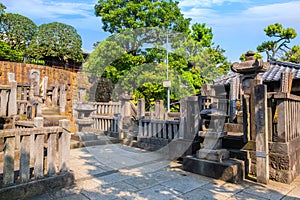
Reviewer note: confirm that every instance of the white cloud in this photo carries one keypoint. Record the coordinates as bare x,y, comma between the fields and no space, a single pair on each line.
288,10
284,12
205,3
78,14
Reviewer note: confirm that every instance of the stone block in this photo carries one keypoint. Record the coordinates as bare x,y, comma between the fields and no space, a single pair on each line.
229,170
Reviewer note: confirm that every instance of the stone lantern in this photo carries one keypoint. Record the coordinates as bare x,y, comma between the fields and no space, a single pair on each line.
84,120
213,119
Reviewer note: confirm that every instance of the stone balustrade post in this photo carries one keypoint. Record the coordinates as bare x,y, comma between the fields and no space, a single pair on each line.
64,145
141,108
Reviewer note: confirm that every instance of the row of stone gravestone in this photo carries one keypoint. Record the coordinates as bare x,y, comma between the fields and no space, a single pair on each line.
18,98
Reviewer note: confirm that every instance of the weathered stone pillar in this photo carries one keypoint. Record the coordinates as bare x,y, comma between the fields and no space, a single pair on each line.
9,157
192,121
125,109
44,87
159,109
141,108
12,106
253,83
55,94
38,149
262,148
62,99
64,145
183,116
3,105
38,123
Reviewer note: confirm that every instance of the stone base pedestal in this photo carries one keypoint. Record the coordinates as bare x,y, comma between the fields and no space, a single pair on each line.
217,155
228,170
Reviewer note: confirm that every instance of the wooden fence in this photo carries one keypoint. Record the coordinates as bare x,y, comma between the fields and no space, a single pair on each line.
285,116
54,137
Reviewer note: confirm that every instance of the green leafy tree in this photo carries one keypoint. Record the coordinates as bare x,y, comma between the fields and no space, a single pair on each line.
7,54
2,8
292,55
122,56
56,41
16,30
118,16
281,39
202,34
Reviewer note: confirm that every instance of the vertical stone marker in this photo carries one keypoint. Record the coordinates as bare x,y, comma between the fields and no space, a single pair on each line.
262,148
12,104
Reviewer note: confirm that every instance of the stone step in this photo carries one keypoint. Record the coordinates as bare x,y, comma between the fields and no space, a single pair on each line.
104,140
53,117
50,111
86,136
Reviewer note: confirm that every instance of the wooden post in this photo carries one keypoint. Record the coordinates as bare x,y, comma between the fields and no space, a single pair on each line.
262,148
64,145
282,120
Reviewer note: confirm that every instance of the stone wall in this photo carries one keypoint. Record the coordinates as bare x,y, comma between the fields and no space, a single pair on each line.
284,160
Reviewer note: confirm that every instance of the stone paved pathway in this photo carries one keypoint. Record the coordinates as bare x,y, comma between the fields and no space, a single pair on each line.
119,172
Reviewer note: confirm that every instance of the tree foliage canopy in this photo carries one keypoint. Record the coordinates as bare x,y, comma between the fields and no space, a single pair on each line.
8,54
16,30
56,40
281,38
292,55
134,57
2,8
118,16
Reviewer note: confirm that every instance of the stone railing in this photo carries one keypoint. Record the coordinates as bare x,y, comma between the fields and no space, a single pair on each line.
106,124
167,129
109,108
31,153
285,109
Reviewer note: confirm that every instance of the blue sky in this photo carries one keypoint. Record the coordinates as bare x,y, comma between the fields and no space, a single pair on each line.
237,24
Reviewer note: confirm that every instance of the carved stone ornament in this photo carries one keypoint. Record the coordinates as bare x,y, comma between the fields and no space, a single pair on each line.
251,65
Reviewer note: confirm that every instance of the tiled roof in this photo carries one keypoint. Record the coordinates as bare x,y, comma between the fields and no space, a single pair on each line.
274,74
